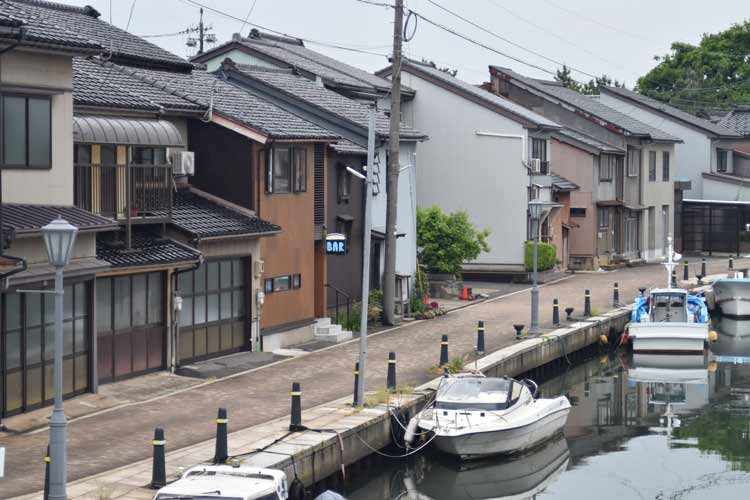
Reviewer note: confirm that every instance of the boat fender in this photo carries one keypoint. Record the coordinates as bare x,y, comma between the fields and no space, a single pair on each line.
713,336
411,430
604,339
297,490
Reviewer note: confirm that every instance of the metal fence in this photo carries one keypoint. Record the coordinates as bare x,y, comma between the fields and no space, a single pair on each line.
710,226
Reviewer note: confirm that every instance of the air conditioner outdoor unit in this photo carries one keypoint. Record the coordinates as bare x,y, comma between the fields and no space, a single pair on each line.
183,163
260,268
536,165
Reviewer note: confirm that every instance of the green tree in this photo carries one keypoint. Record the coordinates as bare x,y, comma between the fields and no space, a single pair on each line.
448,240
715,74
591,88
563,76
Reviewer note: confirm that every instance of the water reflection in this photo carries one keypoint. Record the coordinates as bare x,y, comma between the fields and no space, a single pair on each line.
648,426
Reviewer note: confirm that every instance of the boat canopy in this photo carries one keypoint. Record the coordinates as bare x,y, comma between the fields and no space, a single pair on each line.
670,301
477,393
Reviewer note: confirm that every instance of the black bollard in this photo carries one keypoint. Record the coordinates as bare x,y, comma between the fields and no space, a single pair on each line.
159,467
731,262
519,331
221,454
587,303
295,424
47,461
703,267
480,337
356,383
444,350
391,380
569,313
674,278
616,295
685,271
555,312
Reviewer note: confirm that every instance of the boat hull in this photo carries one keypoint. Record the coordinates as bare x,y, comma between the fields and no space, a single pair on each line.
732,296
668,337
503,441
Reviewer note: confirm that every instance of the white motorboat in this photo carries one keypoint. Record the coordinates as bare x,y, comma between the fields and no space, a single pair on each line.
732,296
475,416
227,482
669,319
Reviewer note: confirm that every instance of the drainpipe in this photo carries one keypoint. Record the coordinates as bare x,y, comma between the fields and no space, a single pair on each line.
174,326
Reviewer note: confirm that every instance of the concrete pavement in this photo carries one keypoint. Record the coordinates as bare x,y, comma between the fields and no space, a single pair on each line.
113,438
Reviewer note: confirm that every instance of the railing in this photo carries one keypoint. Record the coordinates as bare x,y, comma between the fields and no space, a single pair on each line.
543,167
346,300
125,192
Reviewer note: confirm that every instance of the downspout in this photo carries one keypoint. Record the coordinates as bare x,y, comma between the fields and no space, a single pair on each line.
174,327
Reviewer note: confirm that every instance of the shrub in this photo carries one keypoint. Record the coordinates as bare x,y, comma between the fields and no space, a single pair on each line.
546,258
448,240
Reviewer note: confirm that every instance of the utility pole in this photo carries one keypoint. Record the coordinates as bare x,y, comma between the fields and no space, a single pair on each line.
204,35
392,170
200,33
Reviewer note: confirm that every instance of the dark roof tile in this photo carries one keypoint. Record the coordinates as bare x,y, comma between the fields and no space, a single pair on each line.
737,120
29,219
146,250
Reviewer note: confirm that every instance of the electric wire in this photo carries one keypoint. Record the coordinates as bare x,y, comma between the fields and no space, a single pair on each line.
130,16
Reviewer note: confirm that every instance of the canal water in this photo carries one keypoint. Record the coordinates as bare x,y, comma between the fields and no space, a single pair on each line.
641,427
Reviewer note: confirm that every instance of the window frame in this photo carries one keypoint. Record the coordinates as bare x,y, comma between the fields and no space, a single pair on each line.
217,289
343,184
26,165
607,165
633,170
722,167
603,218
652,166
665,166
579,212
298,177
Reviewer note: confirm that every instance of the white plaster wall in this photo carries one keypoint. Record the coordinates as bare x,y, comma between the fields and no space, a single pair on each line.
657,194
240,58
692,157
48,186
725,191
460,170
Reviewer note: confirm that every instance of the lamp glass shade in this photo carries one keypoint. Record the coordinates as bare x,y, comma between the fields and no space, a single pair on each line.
535,209
59,238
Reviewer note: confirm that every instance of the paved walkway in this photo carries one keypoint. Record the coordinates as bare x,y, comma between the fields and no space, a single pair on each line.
112,438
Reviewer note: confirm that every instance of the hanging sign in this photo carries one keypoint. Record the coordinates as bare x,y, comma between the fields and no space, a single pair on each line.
336,244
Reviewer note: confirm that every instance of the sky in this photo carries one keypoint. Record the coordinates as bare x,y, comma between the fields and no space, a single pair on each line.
616,37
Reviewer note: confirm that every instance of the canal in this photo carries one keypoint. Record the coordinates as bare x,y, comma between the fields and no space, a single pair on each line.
642,427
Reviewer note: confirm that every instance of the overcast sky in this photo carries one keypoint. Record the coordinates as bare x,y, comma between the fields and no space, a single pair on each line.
615,37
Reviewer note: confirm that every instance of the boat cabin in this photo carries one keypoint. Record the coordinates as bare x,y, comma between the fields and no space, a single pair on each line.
478,393
669,306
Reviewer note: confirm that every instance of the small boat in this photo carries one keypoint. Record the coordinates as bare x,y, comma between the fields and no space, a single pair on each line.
669,320
474,416
732,296
227,482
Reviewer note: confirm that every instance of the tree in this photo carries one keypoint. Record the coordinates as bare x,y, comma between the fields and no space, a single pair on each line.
563,76
591,88
448,240
445,69
714,74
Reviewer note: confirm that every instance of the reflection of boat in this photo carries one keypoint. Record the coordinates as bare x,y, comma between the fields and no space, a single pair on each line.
474,416
523,477
733,327
689,369
732,295
669,319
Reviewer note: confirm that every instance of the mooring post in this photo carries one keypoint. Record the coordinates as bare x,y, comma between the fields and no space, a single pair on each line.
480,337
731,262
555,312
295,423
587,303
47,461
616,295
643,291
159,467
444,350
569,313
703,267
519,331
356,383
685,271
391,379
221,454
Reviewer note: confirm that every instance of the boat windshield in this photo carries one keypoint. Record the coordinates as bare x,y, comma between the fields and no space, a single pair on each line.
668,306
474,393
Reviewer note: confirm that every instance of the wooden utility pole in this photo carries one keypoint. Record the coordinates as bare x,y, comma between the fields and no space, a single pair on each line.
392,170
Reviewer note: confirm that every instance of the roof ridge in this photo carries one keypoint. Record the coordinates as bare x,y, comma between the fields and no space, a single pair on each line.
86,9
46,21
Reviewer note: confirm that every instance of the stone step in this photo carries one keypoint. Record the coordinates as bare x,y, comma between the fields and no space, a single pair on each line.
332,333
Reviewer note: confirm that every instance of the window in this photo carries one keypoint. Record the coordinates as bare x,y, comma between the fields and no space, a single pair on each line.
26,132
652,166
82,154
281,283
721,160
213,292
539,149
607,164
665,166
603,218
578,212
148,156
287,171
533,192
343,185
296,281
634,162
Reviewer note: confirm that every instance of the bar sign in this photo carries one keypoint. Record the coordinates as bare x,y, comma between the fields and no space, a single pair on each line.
335,244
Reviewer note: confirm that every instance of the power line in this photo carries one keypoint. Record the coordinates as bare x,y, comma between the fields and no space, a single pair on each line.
130,16
489,32
249,13
163,35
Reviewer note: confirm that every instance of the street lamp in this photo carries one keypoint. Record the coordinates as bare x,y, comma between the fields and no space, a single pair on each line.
59,238
536,208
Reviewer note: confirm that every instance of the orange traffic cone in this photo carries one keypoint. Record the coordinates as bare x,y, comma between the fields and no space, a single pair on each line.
427,300
465,294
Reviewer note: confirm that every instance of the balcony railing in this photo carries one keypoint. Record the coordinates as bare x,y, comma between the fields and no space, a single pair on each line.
541,169
135,193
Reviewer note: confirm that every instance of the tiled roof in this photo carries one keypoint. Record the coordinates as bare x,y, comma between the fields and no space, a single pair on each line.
307,90
562,184
41,28
85,23
502,104
554,91
603,147
737,120
347,147
197,87
205,218
93,88
670,111
29,219
146,250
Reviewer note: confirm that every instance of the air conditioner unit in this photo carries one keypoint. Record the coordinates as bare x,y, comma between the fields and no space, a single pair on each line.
536,165
260,268
183,163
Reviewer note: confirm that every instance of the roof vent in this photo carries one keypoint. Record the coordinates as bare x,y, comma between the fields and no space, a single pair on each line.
90,11
236,37
319,81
